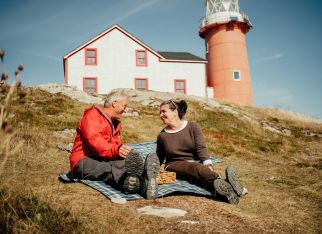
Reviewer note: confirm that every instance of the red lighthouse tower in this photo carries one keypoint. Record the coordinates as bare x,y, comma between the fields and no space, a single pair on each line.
224,28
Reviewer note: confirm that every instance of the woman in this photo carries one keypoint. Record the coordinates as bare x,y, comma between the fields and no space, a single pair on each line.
181,144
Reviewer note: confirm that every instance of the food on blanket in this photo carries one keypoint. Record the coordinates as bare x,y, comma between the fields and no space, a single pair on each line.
166,177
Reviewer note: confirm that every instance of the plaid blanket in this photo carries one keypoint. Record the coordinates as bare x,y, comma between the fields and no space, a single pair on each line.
165,189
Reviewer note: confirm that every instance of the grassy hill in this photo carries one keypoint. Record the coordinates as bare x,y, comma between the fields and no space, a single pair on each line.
278,155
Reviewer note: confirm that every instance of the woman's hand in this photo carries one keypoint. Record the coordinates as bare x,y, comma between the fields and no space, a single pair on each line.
210,167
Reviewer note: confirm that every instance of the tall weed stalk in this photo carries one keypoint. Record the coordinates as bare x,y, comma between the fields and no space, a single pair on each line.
21,211
7,95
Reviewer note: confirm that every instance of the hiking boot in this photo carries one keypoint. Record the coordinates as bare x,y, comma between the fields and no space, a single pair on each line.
134,166
233,180
225,189
151,170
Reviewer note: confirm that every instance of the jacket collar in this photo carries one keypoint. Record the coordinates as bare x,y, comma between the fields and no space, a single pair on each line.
101,110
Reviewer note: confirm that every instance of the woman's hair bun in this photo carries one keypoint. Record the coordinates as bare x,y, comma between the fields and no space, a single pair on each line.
182,108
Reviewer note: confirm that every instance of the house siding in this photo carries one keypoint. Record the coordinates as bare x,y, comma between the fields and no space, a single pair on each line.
116,67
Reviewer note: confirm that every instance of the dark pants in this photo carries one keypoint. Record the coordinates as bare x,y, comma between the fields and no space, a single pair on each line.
111,172
194,172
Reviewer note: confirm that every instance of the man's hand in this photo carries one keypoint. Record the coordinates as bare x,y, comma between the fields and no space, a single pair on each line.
124,151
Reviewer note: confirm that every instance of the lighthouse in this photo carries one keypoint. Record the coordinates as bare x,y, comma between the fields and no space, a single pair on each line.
224,29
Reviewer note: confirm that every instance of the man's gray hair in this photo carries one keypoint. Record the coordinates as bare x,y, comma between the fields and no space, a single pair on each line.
115,96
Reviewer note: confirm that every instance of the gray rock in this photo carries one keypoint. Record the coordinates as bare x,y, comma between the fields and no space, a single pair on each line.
282,130
118,200
286,132
131,114
189,222
146,102
66,133
72,92
164,212
155,104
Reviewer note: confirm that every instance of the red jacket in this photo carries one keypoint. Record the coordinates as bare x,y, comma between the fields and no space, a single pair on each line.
96,137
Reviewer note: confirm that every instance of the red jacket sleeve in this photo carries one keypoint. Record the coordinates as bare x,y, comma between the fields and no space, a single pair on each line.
98,134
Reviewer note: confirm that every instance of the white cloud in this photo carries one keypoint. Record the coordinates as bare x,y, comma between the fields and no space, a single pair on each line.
275,56
270,58
124,16
39,54
134,11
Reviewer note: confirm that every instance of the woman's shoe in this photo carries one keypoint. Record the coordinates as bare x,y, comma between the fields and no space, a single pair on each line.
233,180
225,189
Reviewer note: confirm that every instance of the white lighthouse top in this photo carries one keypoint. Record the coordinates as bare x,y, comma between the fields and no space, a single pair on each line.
223,11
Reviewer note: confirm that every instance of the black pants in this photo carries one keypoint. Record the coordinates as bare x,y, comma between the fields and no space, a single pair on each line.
193,172
111,172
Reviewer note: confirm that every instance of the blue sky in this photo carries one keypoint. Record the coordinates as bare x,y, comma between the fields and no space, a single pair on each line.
284,47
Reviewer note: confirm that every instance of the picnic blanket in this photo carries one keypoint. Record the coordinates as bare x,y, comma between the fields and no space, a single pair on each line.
181,186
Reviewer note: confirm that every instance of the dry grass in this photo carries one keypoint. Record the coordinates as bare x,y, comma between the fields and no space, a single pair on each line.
294,121
293,116
283,175
20,209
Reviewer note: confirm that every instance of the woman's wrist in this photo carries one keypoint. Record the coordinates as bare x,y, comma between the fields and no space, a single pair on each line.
207,162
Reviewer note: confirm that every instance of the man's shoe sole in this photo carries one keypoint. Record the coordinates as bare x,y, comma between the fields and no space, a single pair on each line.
134,166
225,189
152,166
131,184
233,179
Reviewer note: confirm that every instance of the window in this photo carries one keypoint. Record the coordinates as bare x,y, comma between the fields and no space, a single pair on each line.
141,84
90,56
141,58
236,75
180,86
90,85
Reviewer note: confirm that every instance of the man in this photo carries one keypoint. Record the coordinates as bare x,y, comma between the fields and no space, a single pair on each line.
98,152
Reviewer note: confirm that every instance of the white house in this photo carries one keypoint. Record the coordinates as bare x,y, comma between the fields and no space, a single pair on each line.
117,59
